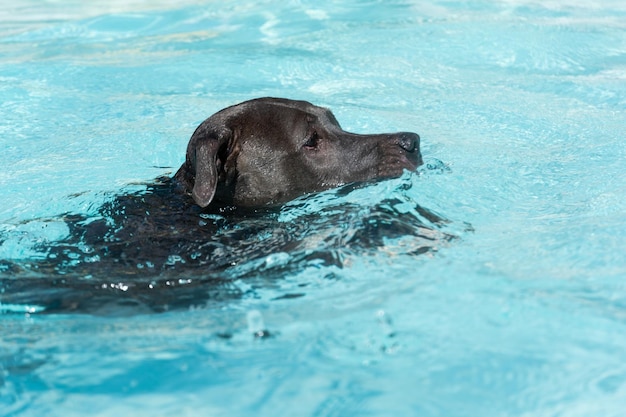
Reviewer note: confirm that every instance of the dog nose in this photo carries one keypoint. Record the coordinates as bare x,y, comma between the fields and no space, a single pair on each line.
409,141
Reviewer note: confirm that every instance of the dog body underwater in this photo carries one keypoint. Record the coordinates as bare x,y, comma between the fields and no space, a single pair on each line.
184,240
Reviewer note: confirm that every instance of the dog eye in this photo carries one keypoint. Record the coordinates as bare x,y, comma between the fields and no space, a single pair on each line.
312,141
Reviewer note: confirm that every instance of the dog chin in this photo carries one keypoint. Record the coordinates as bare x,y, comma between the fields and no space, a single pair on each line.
414,160
396,165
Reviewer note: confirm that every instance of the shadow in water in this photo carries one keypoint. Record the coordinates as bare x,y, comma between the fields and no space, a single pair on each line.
154,250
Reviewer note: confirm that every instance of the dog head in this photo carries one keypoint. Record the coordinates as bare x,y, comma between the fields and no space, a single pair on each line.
269,151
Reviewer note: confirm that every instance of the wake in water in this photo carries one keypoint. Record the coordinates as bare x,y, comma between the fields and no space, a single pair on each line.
155,250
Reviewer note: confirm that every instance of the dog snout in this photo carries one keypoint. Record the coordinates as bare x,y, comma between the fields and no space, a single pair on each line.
409,141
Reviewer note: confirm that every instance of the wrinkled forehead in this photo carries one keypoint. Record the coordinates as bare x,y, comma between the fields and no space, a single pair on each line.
325,116
302,110
320,114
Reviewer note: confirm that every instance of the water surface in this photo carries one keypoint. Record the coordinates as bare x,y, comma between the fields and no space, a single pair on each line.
521,109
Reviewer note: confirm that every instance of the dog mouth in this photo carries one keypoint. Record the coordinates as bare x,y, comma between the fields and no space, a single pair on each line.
396,160
413,159
398,167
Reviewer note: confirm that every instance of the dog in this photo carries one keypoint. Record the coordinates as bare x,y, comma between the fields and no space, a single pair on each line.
268,151
184,240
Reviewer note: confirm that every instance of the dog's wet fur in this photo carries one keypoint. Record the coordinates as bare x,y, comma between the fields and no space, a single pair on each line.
184,241
269,151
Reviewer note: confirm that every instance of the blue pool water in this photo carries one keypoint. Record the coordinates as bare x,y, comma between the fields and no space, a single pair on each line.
521,106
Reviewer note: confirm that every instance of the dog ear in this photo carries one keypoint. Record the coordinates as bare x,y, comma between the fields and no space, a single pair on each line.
205,148
205,164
